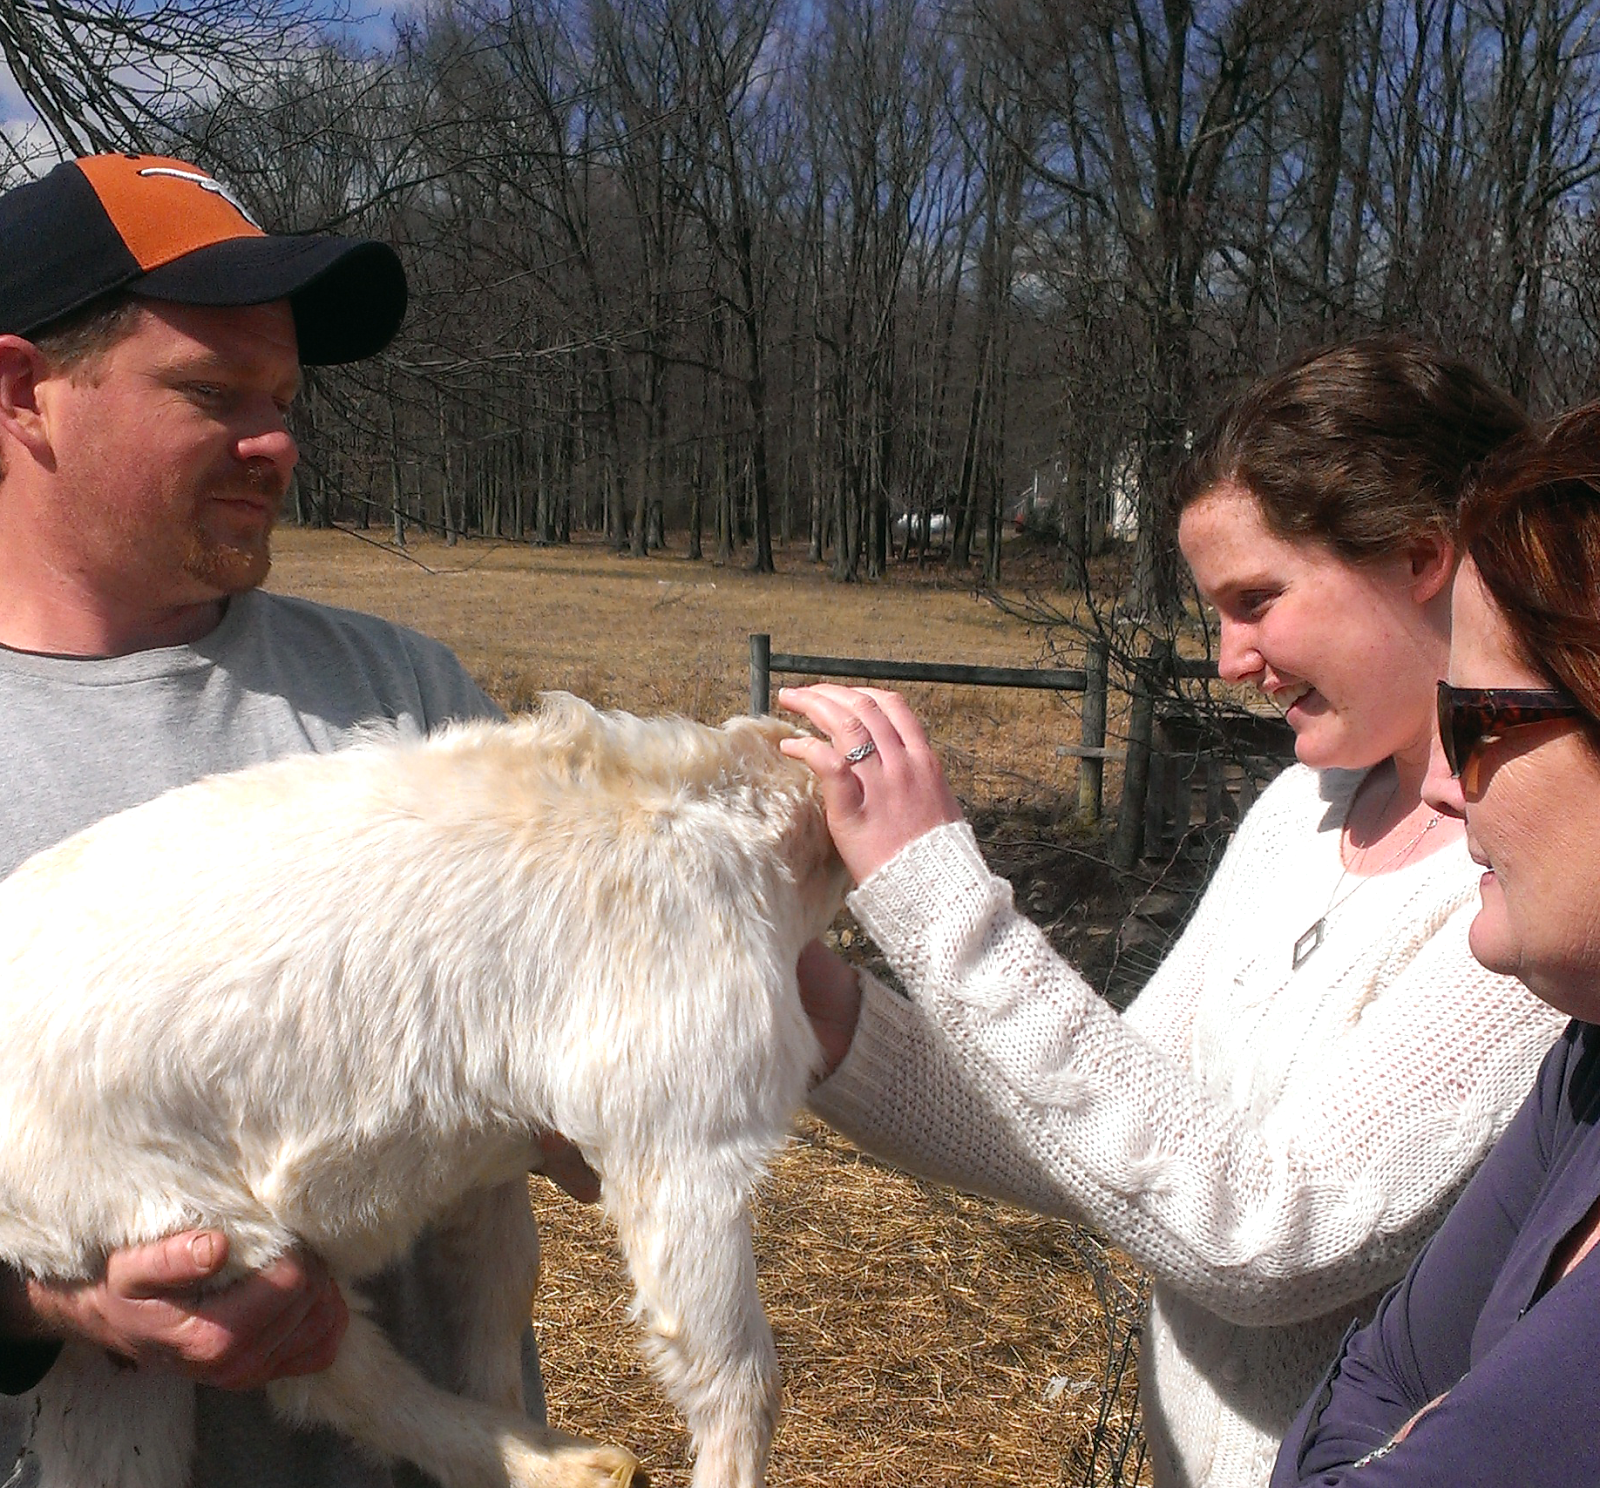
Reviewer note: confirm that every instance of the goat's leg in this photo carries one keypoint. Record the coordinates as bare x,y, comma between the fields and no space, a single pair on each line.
685,1229
97,1422
482,1261
375,1396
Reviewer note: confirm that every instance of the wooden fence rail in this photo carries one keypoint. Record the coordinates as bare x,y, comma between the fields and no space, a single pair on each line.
1155,809
1090,680
764,661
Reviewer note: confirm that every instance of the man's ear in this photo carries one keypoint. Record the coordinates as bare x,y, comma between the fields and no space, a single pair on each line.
22,368
1433,564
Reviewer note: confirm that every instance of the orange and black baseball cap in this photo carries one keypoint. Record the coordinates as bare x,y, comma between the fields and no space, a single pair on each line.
167,230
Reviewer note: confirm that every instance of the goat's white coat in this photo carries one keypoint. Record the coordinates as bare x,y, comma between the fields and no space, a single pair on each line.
331,1000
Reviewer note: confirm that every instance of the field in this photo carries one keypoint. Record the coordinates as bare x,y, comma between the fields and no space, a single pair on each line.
667,635
926,1337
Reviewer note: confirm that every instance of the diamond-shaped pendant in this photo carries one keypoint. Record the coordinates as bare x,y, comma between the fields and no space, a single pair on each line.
1307,944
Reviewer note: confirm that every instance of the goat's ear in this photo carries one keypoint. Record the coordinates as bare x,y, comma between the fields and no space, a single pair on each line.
770,728
565,708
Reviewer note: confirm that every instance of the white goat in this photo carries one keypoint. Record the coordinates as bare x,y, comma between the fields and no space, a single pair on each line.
332,1000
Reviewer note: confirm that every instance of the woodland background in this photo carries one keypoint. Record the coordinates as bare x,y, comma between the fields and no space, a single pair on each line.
743,271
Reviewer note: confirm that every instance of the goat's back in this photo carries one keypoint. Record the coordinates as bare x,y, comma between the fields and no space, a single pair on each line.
324,996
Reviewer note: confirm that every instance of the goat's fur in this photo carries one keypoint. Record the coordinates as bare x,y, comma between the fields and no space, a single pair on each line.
330,1001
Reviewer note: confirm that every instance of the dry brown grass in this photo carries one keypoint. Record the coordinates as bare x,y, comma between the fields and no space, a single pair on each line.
667,635
925,1337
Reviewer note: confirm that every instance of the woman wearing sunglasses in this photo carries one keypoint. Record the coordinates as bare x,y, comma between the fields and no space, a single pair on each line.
1283,1115
1480,1366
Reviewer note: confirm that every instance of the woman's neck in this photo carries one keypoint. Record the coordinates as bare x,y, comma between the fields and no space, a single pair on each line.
1410,768
1389,824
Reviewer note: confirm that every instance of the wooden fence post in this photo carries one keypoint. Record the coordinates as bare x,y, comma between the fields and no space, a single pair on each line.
1092,767
760,674
1128,844
1159,791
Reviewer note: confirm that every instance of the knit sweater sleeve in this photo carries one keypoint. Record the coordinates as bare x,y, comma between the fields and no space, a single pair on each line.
904,1092
1008,1075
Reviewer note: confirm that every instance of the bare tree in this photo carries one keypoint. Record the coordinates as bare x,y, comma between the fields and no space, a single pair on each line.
118,74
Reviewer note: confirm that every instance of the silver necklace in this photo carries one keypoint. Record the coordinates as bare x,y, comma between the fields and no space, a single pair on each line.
1311,936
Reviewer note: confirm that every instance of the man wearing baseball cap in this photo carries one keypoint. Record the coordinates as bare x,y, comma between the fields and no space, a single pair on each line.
151,337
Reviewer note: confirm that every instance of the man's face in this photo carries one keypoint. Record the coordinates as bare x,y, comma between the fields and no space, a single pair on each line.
172,452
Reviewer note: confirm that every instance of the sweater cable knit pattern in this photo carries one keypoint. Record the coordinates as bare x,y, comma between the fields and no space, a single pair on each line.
1274,1145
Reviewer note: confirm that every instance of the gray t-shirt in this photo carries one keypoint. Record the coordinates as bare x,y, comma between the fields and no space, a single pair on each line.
81,739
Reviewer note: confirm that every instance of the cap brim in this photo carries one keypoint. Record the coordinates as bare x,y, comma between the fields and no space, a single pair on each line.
348,295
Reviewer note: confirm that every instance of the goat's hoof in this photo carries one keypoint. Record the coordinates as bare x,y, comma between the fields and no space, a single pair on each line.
576,1464
619,1468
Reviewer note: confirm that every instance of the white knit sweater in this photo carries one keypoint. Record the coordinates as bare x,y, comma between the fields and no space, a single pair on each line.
1274,1145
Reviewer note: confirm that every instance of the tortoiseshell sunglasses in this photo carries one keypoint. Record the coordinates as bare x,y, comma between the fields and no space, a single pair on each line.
1472,717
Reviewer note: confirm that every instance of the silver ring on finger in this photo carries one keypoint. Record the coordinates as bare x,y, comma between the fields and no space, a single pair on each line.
860,752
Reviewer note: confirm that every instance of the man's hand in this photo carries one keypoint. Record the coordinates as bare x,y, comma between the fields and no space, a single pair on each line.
287,1319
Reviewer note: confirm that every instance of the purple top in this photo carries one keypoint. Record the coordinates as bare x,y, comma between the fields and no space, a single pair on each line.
1475,1317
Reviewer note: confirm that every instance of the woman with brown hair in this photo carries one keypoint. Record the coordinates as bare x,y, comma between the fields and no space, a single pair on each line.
1480,1366
1283,1115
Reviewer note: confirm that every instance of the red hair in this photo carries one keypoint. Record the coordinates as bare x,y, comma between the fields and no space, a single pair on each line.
1530,522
